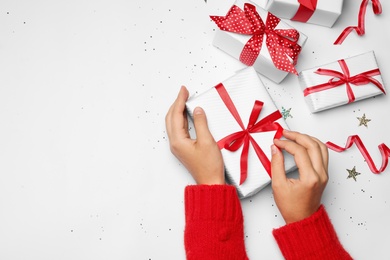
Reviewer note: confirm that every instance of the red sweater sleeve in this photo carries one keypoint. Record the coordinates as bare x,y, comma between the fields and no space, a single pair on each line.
214,223
311,238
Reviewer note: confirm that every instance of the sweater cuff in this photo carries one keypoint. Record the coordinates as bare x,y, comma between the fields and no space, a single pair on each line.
310,238
214,223
201,202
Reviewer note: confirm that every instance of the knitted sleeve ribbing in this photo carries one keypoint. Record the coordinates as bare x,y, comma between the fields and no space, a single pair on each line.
311,238
214,223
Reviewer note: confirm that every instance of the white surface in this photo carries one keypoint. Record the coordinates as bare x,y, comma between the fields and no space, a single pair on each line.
85,167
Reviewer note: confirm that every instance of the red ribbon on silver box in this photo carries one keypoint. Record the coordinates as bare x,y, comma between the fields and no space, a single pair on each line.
243,138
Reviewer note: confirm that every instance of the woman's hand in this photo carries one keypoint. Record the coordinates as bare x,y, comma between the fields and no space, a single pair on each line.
201,156
299,198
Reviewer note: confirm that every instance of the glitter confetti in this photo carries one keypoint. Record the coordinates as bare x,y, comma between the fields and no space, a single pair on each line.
286,113
353,173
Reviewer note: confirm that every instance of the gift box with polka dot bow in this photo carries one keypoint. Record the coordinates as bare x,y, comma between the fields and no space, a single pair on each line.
341,82
258,38
229,108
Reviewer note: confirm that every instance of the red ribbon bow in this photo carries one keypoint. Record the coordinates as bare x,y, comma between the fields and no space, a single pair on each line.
385,152
235,140
305,11
360,79
281,43
360,29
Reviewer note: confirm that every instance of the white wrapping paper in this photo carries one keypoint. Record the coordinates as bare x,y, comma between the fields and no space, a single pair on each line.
326,13
338,96
244,88
233,43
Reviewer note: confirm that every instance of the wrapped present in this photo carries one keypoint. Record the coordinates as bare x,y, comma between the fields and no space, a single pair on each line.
320,12
341,82
244,121
258,38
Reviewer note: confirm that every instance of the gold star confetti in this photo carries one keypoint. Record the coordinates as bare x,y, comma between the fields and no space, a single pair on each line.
286,113
363,120
353,173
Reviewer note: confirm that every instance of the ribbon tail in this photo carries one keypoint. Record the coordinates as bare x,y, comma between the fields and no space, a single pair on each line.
263,158
355,139
376,6
244,162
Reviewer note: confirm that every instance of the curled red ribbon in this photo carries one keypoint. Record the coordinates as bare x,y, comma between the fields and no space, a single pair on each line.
340,79
305,11
360,29
355,139
281,43
243,138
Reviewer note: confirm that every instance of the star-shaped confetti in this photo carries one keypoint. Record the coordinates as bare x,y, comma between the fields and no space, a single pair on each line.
363,120
353,173
286,113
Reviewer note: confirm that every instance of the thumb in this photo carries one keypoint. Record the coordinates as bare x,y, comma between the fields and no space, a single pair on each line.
200,124
277,165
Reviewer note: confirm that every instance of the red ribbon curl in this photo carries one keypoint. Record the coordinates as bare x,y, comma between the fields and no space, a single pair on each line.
360,79
360,29
305,11
243,138
281,43
355,139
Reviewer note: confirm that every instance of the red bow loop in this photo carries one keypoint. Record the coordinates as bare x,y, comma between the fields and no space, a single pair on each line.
243,138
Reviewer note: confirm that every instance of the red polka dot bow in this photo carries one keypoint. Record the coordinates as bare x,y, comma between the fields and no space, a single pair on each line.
281,43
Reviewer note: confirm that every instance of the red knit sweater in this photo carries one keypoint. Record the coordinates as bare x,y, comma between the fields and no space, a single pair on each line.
215,230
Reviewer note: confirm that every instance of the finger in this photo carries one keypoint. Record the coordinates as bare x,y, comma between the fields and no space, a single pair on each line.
176,118
301,156
201,126
312,147
324,152
277,166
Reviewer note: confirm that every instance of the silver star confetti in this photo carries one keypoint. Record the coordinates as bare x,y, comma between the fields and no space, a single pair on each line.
353,173
363,120
286,113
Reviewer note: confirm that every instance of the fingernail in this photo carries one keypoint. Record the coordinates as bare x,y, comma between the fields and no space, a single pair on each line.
198,111
274,149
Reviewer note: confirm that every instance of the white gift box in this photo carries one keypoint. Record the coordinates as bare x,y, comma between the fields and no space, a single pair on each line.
326,12
233,44
244,88
337,96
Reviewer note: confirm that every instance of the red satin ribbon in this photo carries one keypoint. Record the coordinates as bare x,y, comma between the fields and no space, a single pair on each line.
281,43
243,138
360,79
360,29
305,11
355,139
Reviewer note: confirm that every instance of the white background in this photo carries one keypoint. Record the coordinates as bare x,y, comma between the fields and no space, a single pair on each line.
85,166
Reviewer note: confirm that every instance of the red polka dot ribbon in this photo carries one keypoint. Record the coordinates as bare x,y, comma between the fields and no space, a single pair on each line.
243,138
355,139
305,11
360,29
281,43
339,79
